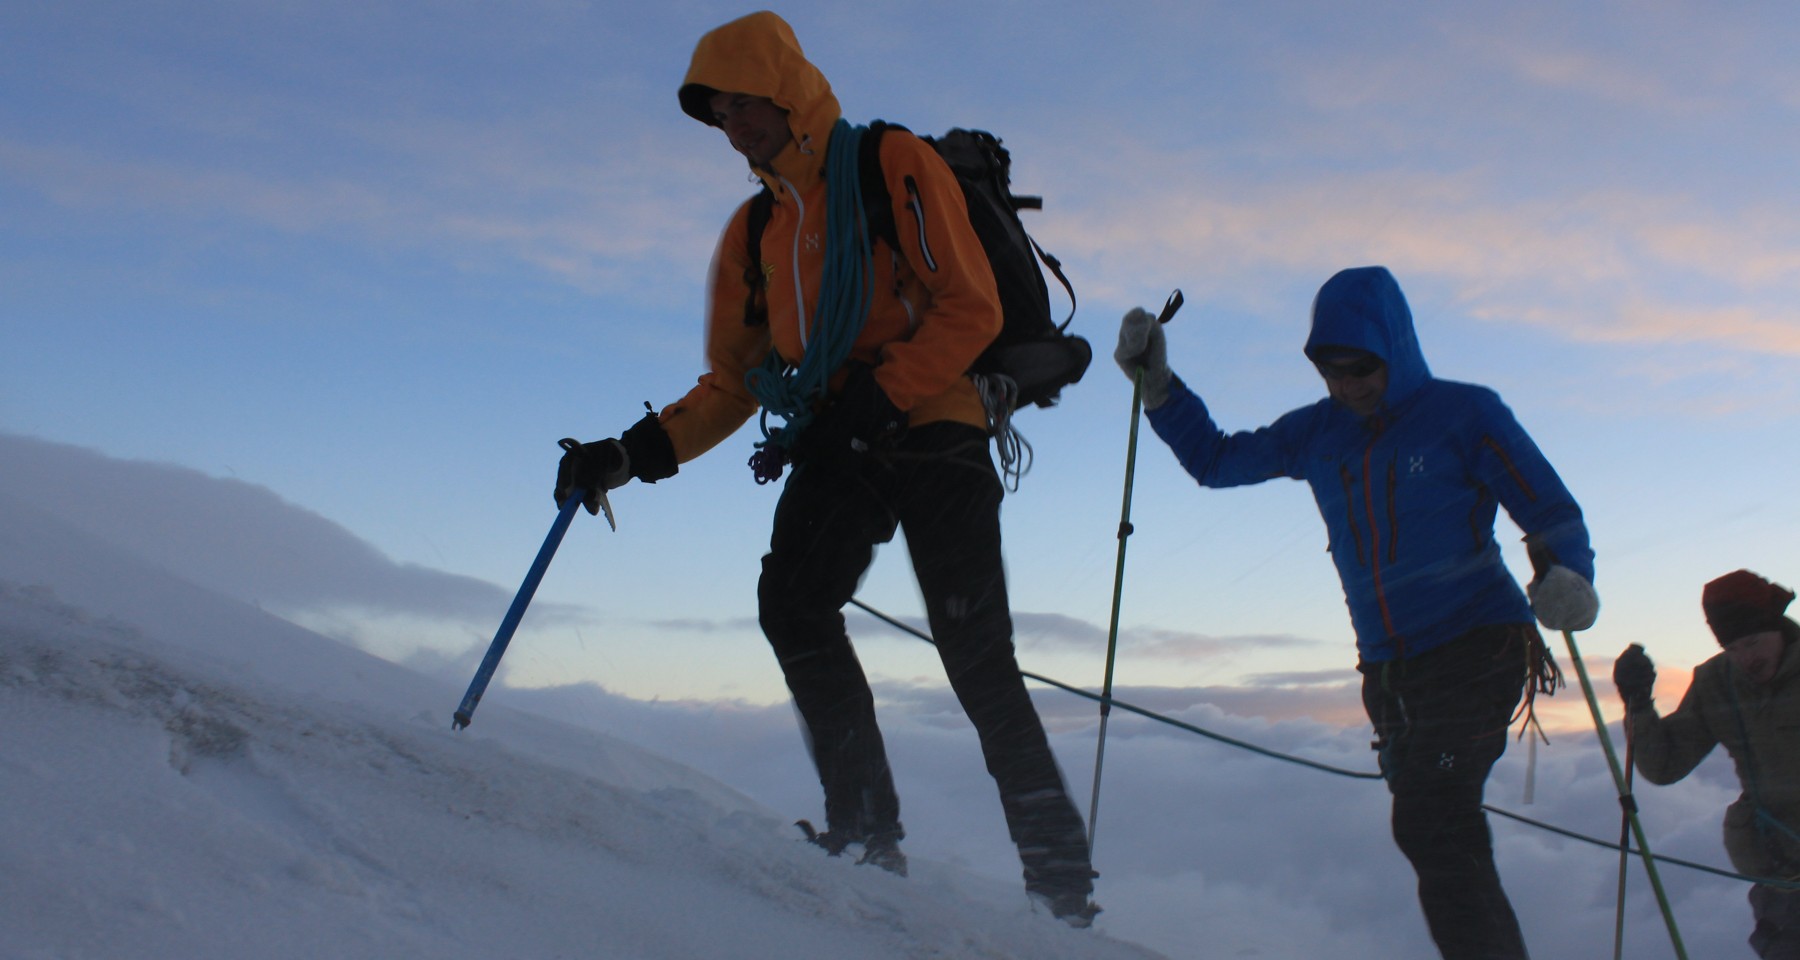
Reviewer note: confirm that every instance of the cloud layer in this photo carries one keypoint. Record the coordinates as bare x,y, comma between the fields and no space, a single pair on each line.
238,538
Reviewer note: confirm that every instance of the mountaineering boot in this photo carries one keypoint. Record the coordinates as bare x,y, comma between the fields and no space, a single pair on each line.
834,841
1073,908
884,852
1066,893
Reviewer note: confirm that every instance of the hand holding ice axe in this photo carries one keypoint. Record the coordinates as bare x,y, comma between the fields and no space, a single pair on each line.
571,495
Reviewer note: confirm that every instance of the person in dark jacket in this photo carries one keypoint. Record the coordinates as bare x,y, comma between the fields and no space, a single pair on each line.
886,431
1746,698
1408,472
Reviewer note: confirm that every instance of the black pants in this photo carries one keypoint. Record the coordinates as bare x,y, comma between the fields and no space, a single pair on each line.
1440,723
940,487
1777,912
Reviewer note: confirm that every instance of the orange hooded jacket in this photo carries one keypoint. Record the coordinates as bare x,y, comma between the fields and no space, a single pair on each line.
925,327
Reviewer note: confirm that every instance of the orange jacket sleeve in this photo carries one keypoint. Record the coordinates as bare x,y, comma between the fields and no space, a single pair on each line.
720,403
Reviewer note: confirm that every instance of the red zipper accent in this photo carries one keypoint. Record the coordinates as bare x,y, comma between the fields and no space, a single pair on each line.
1393,486
1506,462
1387,616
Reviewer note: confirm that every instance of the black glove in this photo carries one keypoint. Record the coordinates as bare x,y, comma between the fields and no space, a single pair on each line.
592,468
644,452
861,419
1635,676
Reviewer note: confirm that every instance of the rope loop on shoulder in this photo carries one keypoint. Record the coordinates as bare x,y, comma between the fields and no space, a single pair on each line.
793,391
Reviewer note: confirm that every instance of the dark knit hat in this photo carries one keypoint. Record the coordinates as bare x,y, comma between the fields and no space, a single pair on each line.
1741,603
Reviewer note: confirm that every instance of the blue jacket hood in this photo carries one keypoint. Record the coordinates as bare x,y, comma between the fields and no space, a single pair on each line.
1363,308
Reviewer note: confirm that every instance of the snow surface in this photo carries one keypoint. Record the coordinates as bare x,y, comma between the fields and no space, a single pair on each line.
203,780
185,774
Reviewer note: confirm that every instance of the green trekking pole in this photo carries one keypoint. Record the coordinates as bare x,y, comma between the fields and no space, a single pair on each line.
1624,859
1112,632
1626,802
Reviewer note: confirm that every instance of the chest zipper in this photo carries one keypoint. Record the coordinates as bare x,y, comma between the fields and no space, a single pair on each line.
1368,486
1393,485
1349,483
916,204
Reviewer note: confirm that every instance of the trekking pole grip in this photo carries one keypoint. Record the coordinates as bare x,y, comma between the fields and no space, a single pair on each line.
1170,306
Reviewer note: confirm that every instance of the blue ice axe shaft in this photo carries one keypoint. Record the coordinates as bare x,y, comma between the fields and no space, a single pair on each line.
497,649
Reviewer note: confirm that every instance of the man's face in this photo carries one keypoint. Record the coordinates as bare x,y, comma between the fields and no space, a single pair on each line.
757,128
1358,382
1757,655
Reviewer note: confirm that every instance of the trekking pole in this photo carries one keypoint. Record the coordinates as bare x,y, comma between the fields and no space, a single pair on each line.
1112,633
1626,802
1624,857
466,711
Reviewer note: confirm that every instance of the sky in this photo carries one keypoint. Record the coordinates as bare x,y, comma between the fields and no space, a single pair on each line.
379,257
185,774
346,272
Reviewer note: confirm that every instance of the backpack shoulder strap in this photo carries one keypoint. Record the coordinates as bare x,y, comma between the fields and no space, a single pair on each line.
878,203
1055,266
760,207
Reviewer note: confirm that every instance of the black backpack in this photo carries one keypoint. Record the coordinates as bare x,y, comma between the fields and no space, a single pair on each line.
1038,354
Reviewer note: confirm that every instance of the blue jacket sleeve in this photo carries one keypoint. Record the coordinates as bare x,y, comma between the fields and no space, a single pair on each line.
1215,458
1510,464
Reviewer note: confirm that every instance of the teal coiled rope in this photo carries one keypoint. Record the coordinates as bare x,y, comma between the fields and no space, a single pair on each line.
845,292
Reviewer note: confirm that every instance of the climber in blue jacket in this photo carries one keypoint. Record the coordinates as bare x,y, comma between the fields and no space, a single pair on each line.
1408,472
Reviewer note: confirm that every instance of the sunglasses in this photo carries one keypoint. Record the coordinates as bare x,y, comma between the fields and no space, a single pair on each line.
1356,369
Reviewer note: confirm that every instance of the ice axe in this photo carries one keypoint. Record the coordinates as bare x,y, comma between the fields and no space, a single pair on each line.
1112,634
516,612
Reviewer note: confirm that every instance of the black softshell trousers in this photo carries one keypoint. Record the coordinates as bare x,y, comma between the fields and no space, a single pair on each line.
1777,912
939,486
1441,722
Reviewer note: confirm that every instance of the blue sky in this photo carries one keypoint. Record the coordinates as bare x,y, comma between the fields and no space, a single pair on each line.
377,257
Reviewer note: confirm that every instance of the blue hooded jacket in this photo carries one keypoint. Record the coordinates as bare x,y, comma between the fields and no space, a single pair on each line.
1409,494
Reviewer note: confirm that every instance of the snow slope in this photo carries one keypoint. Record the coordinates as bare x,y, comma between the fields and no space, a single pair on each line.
184,776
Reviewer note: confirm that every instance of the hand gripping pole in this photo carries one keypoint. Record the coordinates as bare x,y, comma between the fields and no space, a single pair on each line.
1627,803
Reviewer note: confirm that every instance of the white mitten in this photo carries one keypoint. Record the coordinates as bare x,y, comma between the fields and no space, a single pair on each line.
1564,599
1142,348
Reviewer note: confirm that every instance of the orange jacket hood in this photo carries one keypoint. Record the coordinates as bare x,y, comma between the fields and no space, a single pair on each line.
759,55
